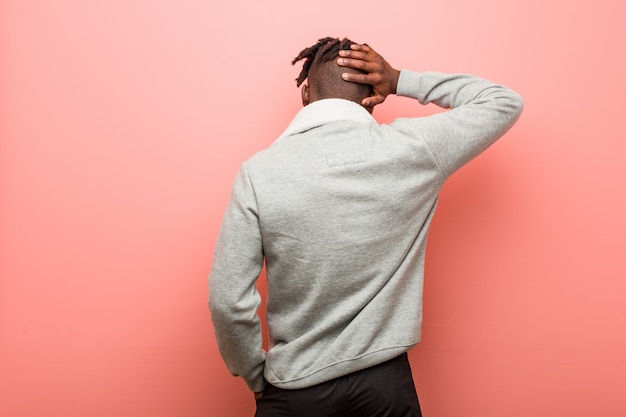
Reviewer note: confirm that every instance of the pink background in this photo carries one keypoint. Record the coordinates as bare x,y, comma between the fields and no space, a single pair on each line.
123,124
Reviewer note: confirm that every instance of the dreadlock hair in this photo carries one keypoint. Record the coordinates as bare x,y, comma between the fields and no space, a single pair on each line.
324,74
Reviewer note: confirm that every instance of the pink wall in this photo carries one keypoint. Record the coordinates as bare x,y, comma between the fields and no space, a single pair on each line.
123,124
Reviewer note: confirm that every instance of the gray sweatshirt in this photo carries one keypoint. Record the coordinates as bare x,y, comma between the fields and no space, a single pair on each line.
339,208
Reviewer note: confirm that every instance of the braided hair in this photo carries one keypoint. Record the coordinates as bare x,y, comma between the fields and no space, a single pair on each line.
323,51
324,74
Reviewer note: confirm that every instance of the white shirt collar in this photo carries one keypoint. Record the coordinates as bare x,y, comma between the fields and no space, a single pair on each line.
321,112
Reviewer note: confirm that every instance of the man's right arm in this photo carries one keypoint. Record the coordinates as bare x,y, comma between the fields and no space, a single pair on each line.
482,111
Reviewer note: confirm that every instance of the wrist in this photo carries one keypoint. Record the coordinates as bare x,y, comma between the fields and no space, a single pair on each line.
394,81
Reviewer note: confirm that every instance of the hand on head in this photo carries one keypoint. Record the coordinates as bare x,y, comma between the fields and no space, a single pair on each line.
378,73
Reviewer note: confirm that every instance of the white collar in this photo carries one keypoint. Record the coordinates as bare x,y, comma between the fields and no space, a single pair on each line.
321,112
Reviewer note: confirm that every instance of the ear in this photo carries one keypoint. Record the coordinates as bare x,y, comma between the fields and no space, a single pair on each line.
305,94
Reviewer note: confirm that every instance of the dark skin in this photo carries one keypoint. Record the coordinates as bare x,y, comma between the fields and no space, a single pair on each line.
379,74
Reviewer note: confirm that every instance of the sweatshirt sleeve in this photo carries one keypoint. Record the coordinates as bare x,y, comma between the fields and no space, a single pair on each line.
233,298
481,112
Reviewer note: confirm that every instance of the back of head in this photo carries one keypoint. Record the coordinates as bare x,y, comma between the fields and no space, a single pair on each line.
324,74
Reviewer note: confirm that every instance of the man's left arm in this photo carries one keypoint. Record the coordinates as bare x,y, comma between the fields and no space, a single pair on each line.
234,299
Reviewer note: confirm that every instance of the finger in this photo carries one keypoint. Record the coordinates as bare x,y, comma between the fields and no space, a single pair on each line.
363,52
373,100
353,63
354,54
356,78
361,47
369,67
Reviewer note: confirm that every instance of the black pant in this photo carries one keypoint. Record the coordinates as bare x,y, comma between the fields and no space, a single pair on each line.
384,390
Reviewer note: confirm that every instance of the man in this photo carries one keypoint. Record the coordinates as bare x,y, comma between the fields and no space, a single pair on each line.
339,208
